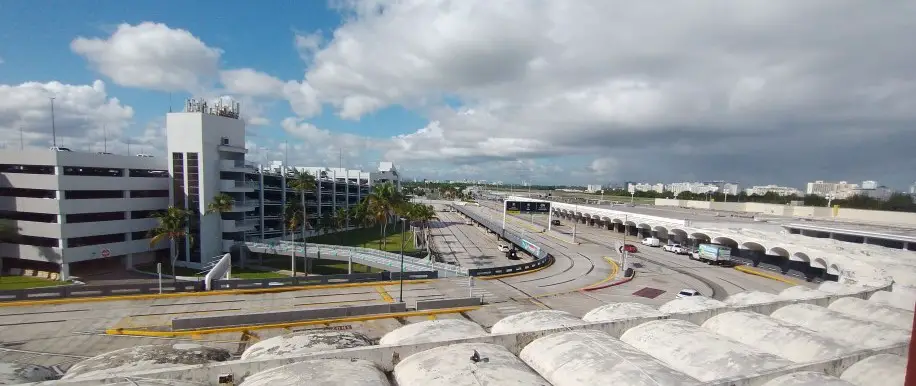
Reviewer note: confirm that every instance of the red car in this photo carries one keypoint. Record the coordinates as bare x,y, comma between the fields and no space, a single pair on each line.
630,248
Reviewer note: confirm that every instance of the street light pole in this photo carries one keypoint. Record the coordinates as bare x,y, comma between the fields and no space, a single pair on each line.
53,126
401,277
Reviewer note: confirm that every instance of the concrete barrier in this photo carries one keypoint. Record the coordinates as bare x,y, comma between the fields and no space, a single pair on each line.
447,303
284,316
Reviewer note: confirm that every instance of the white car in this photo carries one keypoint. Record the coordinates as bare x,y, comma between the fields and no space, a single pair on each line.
686,293
672,248
503,248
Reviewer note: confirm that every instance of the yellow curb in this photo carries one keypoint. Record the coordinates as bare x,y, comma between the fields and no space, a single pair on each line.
172,334
252,291
384,294
755,272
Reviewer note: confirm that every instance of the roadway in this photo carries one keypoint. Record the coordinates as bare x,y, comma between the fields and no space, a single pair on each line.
466,246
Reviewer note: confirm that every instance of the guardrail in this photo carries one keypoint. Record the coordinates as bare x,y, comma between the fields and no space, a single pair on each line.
81,291
542,255
366,256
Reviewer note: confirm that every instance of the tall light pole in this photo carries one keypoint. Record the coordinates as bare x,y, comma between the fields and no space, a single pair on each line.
401,276
53,127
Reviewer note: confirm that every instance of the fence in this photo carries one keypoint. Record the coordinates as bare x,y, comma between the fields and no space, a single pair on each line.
169,286
371,257
541,254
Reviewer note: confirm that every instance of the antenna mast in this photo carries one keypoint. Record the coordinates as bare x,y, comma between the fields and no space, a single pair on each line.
128,146
105,131
21,141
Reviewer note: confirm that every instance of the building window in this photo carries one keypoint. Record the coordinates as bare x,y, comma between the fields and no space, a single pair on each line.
179,196
28,216
143,213
148,173
34,241
94,172
224,141
148,193
26,169
194,206
92,194
95,217
141,235
96,240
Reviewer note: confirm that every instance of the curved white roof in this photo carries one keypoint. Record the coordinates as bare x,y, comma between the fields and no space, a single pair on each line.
875,312
305,342
840,327
904,300
588,357
325,372
801,292
452,366
775,337
698,352
534,321
691,304
807,378
878,370
433,331
16,373
145,358
750,298
840,288
615,311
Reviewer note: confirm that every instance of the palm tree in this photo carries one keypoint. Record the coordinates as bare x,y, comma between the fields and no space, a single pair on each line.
292,216
302,182
173,226
339,221
383,202
221,203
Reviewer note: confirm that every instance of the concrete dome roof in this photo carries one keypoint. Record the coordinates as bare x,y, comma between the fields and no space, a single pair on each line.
877,370
840,327
801,292
145,358
748,298
325,372
807,378
875,312
16,373
589,357
691,304
698,352
451,366
614,311
305,342
433,331
901,299
776,337
535,320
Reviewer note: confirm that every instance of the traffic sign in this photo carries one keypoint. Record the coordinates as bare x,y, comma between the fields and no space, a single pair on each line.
106,252
526,207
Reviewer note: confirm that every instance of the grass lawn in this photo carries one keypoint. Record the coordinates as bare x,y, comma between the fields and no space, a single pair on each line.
236,273
369,238
23,282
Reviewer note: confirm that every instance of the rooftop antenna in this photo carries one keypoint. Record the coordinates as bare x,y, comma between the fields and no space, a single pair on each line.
170,102
53,127
340,158
105,131
128,146
21,141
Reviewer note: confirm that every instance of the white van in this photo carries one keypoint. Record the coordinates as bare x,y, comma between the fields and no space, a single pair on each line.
651,241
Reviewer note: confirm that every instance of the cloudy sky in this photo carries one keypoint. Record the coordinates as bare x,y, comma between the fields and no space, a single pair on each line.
577,91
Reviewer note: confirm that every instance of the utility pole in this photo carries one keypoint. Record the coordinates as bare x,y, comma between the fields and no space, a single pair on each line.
128,146
105,133
53,127
21,141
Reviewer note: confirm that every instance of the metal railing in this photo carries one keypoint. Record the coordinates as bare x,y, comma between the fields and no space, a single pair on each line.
365,256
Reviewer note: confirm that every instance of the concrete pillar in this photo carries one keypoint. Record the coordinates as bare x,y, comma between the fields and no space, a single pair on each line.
906,245
831,236
865,240
129,261
64,271
349,265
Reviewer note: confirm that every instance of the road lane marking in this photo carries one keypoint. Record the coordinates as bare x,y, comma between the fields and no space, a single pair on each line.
384,294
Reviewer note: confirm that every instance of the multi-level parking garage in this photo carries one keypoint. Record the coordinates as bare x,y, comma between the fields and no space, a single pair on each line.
798,337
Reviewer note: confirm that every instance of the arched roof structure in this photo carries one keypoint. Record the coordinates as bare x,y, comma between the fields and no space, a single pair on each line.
305,342
776,337
691,304
145,358
877,370
807,378
433,331
589,357
614,311
748,298
874,312
328,372
840,327
451,366
535,320
698,352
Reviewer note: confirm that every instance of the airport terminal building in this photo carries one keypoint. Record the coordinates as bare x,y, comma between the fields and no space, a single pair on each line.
96,209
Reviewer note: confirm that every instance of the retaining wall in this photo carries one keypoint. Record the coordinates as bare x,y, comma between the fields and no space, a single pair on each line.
284,316
447,303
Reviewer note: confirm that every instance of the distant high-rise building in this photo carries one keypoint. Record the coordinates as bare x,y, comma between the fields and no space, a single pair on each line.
839,190
780,190
913,188
593,188
645,187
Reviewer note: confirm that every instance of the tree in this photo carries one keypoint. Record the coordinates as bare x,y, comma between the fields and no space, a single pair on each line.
292,216
324,224
382,203
302,182
339,221
173,226
221,203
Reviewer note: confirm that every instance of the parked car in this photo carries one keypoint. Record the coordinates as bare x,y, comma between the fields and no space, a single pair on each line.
651,241
630,248
555,222
676,248
685,293
503,247
468,222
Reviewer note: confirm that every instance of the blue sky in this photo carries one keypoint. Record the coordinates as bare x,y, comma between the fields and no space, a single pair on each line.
580,92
